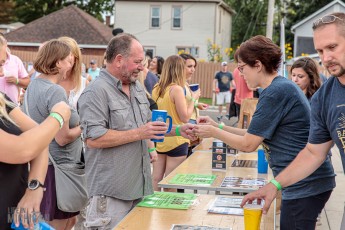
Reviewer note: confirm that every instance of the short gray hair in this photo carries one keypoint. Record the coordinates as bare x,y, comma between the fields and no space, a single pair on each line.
120,44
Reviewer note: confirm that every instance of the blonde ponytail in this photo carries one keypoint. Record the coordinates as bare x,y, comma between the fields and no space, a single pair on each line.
3,111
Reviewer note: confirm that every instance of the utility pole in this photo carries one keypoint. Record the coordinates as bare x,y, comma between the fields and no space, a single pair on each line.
270,15
114,14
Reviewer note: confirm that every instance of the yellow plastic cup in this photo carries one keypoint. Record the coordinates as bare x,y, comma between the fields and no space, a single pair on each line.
252,216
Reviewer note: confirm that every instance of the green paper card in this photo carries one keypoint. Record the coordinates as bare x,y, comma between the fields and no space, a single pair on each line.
192,179
168,200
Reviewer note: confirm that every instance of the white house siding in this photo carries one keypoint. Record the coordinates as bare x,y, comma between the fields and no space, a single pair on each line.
198,25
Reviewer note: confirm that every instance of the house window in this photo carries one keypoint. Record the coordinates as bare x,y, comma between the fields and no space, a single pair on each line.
192,50
150,51
155,17
176,17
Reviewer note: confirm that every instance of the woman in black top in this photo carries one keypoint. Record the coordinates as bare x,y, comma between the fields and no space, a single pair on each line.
23,141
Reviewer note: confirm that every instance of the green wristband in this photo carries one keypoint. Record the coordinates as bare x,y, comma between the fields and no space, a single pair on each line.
151,149
221,126
177,130
17,82
277,184
58,117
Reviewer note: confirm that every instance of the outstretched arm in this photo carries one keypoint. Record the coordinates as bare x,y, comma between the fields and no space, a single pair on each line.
314,154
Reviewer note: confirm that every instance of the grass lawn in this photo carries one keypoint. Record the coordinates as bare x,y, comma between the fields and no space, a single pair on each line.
206,100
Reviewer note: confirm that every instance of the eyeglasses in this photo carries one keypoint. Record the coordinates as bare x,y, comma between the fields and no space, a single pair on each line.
240,68
326,20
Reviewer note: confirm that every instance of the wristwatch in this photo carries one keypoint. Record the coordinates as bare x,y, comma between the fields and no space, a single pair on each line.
34,184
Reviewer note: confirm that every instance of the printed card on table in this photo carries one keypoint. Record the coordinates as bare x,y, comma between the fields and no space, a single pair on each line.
193,179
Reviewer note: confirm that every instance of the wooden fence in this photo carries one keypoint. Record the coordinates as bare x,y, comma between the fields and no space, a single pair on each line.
204,74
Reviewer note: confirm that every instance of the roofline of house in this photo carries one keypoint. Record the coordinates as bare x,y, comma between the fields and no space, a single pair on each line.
316,13
31,44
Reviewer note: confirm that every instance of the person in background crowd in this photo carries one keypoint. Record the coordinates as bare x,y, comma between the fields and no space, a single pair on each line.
242,91
54,60
282,111
190,66
13,74
150,79
93,71
223,81
169,95
117,31
72,85
156,65
143,75
23,141
305,74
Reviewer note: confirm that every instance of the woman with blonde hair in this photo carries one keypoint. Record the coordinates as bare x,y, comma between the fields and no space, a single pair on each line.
142,79
170,96
73,84
54,61
23,141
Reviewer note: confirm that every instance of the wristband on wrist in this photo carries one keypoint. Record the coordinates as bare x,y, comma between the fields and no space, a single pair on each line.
277,184
177,130
151,149
58,117
221,126
196,103
17,81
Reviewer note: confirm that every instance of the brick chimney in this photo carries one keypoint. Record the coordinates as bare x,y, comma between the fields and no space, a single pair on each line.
107,20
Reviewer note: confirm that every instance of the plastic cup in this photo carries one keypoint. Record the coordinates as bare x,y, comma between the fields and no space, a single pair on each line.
262,162
252,216
194,87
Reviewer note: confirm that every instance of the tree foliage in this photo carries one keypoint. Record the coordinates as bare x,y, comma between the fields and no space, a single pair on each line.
27,11
7,12
251,17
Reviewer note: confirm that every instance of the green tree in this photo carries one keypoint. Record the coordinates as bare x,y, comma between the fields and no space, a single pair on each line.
27,11
7,12
251,17
296,11
250,20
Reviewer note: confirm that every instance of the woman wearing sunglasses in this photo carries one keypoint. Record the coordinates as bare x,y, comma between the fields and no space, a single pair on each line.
281,125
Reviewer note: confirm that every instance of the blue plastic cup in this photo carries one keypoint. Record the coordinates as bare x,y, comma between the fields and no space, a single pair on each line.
262,162
161,115
194,87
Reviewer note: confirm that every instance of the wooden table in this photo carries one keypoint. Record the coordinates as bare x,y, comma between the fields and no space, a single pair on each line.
205,145
163,219
200,163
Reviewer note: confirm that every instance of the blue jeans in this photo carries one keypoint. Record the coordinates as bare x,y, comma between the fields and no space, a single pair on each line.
301,214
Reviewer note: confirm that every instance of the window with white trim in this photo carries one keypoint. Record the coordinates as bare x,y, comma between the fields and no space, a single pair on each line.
192,50
155,21
176,17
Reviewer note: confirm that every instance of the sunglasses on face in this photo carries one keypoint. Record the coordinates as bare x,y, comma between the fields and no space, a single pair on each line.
326,20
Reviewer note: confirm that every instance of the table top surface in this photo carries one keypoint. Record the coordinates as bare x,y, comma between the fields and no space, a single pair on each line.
158,219
200,162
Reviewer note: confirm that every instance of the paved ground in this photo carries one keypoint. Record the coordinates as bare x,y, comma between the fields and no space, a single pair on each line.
212,112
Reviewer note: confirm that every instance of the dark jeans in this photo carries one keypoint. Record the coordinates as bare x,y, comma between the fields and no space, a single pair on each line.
301,214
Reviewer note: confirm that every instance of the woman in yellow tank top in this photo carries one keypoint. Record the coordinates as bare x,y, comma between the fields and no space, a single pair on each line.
190,69
169,95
